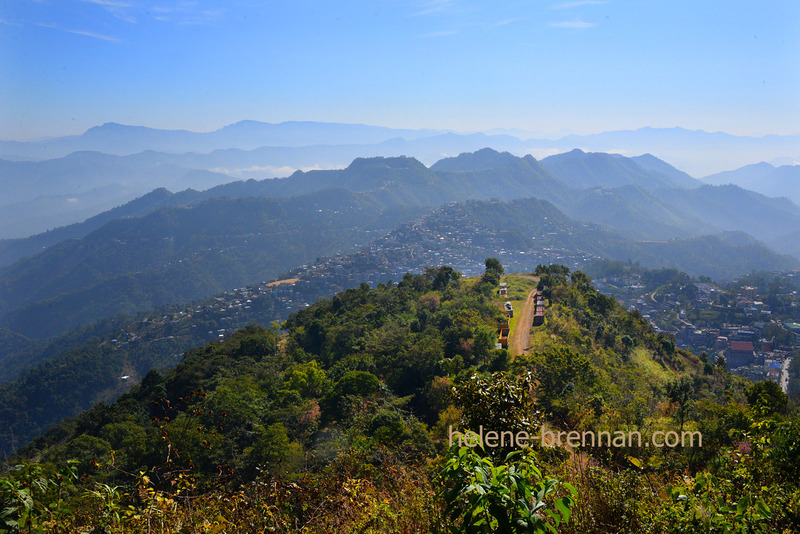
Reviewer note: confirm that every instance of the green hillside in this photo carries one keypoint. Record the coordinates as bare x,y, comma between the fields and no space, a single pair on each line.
60,377
581,170
166,248
341,423
12,250
176,255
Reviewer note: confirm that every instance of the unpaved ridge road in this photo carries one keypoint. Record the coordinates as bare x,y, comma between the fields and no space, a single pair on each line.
521,336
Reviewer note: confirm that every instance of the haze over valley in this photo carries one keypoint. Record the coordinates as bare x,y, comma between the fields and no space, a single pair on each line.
59,181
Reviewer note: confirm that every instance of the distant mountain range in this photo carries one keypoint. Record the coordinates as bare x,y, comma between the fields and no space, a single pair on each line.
394,181
697,152
783,181
120,139
54,182
167,248
641,197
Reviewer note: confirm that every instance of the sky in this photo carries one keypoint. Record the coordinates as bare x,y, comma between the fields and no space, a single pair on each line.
580,66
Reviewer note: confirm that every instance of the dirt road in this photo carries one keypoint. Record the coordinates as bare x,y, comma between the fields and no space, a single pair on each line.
521,336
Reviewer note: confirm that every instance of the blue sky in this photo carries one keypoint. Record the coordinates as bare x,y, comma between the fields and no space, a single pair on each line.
583,66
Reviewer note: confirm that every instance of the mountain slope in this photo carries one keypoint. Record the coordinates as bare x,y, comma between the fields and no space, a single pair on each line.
679,178
732,208
720,256
526,232
582,170
12,250
179,254
783,181
636,213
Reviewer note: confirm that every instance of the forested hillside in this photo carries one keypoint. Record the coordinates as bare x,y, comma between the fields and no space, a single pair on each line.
174,255
171,248
12,250
57,378
359,395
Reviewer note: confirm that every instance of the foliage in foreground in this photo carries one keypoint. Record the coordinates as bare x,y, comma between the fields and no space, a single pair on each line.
510,497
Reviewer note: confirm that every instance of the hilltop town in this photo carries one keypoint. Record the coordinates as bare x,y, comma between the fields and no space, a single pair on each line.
750,326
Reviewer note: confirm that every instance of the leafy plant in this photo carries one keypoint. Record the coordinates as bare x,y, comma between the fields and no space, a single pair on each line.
31,498
509,498
701,506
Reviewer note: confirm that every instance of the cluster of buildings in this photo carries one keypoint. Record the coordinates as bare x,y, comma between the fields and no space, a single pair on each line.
459,240
448,236
748,346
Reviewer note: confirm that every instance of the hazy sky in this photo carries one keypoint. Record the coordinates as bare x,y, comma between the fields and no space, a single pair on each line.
583,66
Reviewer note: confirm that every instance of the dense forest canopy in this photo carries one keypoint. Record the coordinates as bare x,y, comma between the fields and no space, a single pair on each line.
341,419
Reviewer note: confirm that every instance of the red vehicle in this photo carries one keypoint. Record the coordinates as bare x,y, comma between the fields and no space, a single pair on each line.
538,310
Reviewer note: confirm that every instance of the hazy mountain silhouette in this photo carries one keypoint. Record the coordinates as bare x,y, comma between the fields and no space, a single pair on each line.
783,181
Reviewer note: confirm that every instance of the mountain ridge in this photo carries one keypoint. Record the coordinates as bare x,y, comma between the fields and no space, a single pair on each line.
764,178
691,150
487,173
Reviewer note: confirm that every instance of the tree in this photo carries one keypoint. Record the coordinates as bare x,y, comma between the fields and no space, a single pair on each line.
308,379
580,280
779,334
357,383
349,392
628,342
483,341
271,447
766,398
681,391
560,369
443,276
491,277
493,264
500,402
